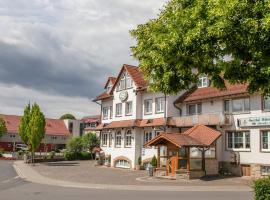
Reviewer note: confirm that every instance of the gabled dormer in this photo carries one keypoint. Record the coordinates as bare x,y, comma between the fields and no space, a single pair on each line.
109,84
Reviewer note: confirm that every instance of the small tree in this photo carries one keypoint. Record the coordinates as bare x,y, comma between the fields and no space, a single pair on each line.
75,145
90,141
32,128
67,116
262,189
3,128
154,161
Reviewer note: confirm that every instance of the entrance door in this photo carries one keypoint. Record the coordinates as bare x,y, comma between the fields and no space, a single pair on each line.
245,170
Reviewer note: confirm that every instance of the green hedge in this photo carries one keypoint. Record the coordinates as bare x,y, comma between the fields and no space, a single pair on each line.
262,189
77,156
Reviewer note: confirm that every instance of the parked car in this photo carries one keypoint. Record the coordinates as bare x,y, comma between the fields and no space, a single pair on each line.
21,147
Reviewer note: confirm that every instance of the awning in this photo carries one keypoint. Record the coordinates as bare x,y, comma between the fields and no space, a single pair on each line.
198,135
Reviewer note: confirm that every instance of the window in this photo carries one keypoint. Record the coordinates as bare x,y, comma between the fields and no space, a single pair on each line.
105,113
265,170
266,103
111,112
148,106
125,82
104,138
238,140
122,164
265,140
203,82
110,139
118,139
118,112
109,87
128,138
194,109
240,105
160,105
227,106
147,136
129,108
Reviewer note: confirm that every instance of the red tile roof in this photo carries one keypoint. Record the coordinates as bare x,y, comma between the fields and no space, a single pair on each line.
152,122
91,119
136,75
110,79
198,135
123,124
197,94
53,126
104,95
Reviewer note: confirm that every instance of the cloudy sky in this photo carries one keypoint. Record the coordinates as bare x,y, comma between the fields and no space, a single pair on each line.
58,53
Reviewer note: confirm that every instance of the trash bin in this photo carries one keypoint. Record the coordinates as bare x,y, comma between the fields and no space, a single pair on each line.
150,171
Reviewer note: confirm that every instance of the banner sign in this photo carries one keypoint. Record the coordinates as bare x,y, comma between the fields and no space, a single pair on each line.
254,121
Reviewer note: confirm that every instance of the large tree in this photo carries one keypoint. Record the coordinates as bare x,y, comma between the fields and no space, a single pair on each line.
90,141
32,128
67,116
3,128
224,39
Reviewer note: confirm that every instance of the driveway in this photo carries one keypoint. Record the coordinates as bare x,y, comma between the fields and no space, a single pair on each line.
87,172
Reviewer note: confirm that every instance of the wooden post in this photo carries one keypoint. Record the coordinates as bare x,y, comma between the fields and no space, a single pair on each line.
158,157
203,160
188,158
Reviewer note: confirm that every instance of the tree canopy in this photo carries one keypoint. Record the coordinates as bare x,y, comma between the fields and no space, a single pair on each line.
3,128
90,141
224,39
32,127
67,116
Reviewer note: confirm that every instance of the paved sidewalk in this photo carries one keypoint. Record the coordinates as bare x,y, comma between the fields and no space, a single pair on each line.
30,174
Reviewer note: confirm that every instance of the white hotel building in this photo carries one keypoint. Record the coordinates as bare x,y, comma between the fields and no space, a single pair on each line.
234,127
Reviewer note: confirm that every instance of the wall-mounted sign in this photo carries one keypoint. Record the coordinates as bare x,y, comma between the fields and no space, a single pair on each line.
254,121
123,95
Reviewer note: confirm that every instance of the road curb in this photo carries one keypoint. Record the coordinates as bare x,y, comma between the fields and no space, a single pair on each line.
31,175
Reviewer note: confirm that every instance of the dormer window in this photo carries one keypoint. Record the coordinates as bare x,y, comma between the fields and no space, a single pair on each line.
203,81
125,82
109,87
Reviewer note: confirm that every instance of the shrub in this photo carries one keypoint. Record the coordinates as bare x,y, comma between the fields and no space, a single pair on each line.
262,189
139,160
154,161
70,155
84,156
51,155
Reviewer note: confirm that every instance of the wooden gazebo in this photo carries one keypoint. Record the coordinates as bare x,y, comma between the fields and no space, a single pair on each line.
178,145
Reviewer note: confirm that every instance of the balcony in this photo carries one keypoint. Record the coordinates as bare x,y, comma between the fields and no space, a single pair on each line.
205,119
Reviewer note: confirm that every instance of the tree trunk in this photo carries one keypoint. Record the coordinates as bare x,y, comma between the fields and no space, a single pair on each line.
33,157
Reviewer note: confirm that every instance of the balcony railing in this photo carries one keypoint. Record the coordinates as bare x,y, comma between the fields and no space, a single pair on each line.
205,119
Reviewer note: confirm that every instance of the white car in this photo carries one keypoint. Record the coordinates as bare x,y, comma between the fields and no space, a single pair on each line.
21,147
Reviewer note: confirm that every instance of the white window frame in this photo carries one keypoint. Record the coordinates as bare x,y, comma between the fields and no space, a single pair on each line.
104,139
265,173
127,110
229,106
128,138
148,111
118,110
122,164
147,136
264,98
109,87
118,139
105,113
125,82
243,105
160,105
268,136
203,81
233,148
196,109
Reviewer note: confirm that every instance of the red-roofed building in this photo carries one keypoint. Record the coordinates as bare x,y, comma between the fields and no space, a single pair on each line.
56,134
132,116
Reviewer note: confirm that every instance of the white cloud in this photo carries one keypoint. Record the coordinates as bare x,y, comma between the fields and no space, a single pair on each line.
65,49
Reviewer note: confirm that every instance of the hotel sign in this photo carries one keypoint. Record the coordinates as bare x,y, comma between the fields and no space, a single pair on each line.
254,121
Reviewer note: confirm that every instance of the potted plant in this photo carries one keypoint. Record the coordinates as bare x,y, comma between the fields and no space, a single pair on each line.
138,166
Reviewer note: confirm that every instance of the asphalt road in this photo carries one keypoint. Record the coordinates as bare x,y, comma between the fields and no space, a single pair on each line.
12,188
